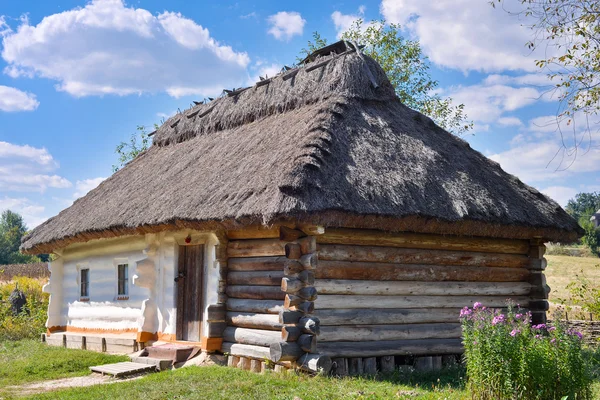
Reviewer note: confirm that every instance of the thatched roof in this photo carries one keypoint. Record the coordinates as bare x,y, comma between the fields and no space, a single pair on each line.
328,143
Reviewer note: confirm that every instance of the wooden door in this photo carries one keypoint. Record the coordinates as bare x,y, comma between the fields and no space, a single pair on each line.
189,292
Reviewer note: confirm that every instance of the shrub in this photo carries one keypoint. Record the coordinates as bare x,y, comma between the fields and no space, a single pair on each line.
585,293
507,358
31,321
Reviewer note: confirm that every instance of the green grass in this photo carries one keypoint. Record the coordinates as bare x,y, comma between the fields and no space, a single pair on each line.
228,383
561,271
27,361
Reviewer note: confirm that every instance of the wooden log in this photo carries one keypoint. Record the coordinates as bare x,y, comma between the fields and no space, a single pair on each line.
289,317
254,320
306,307
308,293
262,278
423,241
411,272
536,305
308,343
292,267
256,264
424,363
291,285
255,306
215,313
290,333
369,302
306,277
339,367
318,363
537,251
264,367
355,366
232,361
215,329
538,264
280,369
370,366
254,337
309,261
436,363
255,366
293,251
400,288
245,350
292,300
244,364
285,351
395,255
388,364
310,325
255,292
255,248
253,232
391,348
390,316
289,235
312,230
308,245
360,333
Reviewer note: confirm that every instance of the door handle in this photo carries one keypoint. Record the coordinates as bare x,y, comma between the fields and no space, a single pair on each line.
180,276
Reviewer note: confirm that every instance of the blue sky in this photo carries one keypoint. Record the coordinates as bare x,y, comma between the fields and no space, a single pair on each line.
77,78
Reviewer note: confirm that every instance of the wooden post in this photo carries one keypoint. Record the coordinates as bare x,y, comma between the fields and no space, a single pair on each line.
244,363
388,364
355,366
233,361
255,366
539,291
340,367
370,366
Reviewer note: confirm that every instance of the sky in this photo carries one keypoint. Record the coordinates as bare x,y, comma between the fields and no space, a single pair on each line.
77,77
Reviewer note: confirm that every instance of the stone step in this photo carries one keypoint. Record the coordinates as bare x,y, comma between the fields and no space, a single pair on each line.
174,352
123,369
159,363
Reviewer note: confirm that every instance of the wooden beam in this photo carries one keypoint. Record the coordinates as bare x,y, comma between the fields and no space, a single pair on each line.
391,348
285,351
371,302
255,248
390,316
293,251
275,263
289,316
246,350
254,337
263,278
360,333
319,363
254,320
255,306
423,241
253,232
255,292
405,288
290,235
310,325
307,343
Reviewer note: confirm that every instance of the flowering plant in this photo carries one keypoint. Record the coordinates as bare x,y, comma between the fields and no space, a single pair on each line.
508,358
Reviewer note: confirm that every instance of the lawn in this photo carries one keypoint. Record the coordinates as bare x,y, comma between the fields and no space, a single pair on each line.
561,271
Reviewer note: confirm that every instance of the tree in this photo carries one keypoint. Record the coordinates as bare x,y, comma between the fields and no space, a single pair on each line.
583,205
407,69
568,31
12,229
127,151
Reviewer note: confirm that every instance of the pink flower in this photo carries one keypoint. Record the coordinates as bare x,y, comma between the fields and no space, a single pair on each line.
552,328
518,316
477,305
538,336
515,332
540,326
465,312
553,341
498,319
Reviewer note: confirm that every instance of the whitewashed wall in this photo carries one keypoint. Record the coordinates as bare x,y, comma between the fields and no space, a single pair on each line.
152,261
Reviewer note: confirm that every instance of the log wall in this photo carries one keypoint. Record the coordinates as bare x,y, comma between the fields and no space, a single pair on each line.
383,294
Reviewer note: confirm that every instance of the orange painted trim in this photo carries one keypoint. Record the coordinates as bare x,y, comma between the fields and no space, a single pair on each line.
54,329
211,344
166,337
143,337
97,330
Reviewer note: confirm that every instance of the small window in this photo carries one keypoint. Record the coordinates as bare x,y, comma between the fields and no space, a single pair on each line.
122,287
85,283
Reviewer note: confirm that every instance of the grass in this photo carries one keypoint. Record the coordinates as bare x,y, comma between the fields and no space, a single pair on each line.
561,271
227,383
27,361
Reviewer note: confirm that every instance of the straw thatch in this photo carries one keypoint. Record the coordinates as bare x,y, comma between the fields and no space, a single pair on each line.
327,143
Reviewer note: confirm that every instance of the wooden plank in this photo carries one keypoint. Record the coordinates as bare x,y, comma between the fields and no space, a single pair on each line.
255,306
122,369
413,272
253,232
370,302
360,333
377,316
254,337
255,292
246,350
264,278
254,320
391,348
422,241
255,248
399,288
337,252
256,263
180,293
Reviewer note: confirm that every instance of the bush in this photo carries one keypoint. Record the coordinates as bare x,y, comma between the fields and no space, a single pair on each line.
585,293
31,321
507,358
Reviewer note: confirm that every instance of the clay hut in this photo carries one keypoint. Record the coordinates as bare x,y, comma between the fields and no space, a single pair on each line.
307,218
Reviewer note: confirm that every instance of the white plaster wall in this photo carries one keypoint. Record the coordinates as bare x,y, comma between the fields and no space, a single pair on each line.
152,302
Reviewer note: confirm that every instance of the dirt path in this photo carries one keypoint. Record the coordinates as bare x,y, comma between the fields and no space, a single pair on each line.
79,381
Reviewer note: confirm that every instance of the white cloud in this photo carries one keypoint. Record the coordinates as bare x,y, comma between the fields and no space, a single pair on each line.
25,168
84,186
12,99
32,213
561,194
509,121
466,34
264,70
343,22
108,48
284,24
